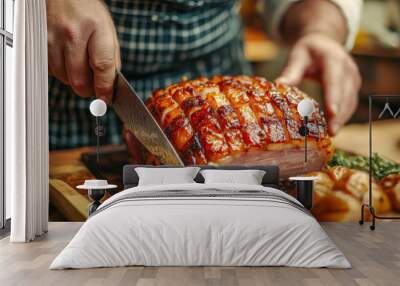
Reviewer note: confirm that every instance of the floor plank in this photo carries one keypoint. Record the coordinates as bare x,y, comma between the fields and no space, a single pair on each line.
375,257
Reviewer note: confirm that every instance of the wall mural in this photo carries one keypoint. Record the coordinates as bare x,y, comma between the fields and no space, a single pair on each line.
210,117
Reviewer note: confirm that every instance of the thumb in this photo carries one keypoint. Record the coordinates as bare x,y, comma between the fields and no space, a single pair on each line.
296,66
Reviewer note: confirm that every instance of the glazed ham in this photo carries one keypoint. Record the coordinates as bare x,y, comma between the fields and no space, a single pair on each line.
237,120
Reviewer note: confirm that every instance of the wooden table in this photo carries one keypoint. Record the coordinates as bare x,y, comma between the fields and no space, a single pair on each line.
66,172
354,138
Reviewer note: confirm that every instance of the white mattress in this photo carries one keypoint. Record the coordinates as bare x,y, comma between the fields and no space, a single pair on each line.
189,231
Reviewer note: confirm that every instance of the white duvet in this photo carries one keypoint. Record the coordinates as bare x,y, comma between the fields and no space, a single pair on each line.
188,231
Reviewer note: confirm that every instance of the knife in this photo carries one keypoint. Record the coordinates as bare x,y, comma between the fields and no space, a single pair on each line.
134,113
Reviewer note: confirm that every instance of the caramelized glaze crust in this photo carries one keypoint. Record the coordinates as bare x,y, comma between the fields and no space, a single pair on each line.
214,120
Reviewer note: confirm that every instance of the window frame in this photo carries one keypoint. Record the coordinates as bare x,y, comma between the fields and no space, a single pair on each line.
6,39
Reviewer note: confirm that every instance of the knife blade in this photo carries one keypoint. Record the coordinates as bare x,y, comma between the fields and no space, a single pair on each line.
134,113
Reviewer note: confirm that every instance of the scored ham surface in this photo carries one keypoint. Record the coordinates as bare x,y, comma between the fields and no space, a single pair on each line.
238,120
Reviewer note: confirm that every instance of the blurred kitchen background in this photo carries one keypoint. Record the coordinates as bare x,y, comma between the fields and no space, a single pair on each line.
376,52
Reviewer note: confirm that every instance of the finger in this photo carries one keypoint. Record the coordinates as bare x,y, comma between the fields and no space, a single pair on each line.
117,54
102,62
296,66
77,68
313,72
57,65
332,80
349,100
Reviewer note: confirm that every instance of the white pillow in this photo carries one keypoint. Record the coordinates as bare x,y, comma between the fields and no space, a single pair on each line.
164,176
248,177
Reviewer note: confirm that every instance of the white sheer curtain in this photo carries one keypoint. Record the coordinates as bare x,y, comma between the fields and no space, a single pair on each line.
27,124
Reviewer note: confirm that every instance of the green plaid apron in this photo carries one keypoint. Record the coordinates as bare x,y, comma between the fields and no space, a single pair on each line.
161,41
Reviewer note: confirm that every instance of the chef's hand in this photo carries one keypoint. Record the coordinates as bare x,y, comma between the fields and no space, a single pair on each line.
316,31
324,59
83,49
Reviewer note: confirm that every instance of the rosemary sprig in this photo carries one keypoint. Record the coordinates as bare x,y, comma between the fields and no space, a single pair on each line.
380,167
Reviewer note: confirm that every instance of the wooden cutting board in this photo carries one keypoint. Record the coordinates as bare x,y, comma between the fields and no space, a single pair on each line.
354,138
65,173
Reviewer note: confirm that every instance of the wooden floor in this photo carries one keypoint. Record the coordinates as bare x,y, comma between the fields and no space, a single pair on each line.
375,257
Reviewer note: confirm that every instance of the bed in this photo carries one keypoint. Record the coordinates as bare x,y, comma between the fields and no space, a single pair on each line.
198,224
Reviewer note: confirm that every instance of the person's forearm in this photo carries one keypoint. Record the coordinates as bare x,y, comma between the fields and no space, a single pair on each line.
313,16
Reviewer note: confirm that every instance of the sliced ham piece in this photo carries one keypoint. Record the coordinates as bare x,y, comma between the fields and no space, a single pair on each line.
237,120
